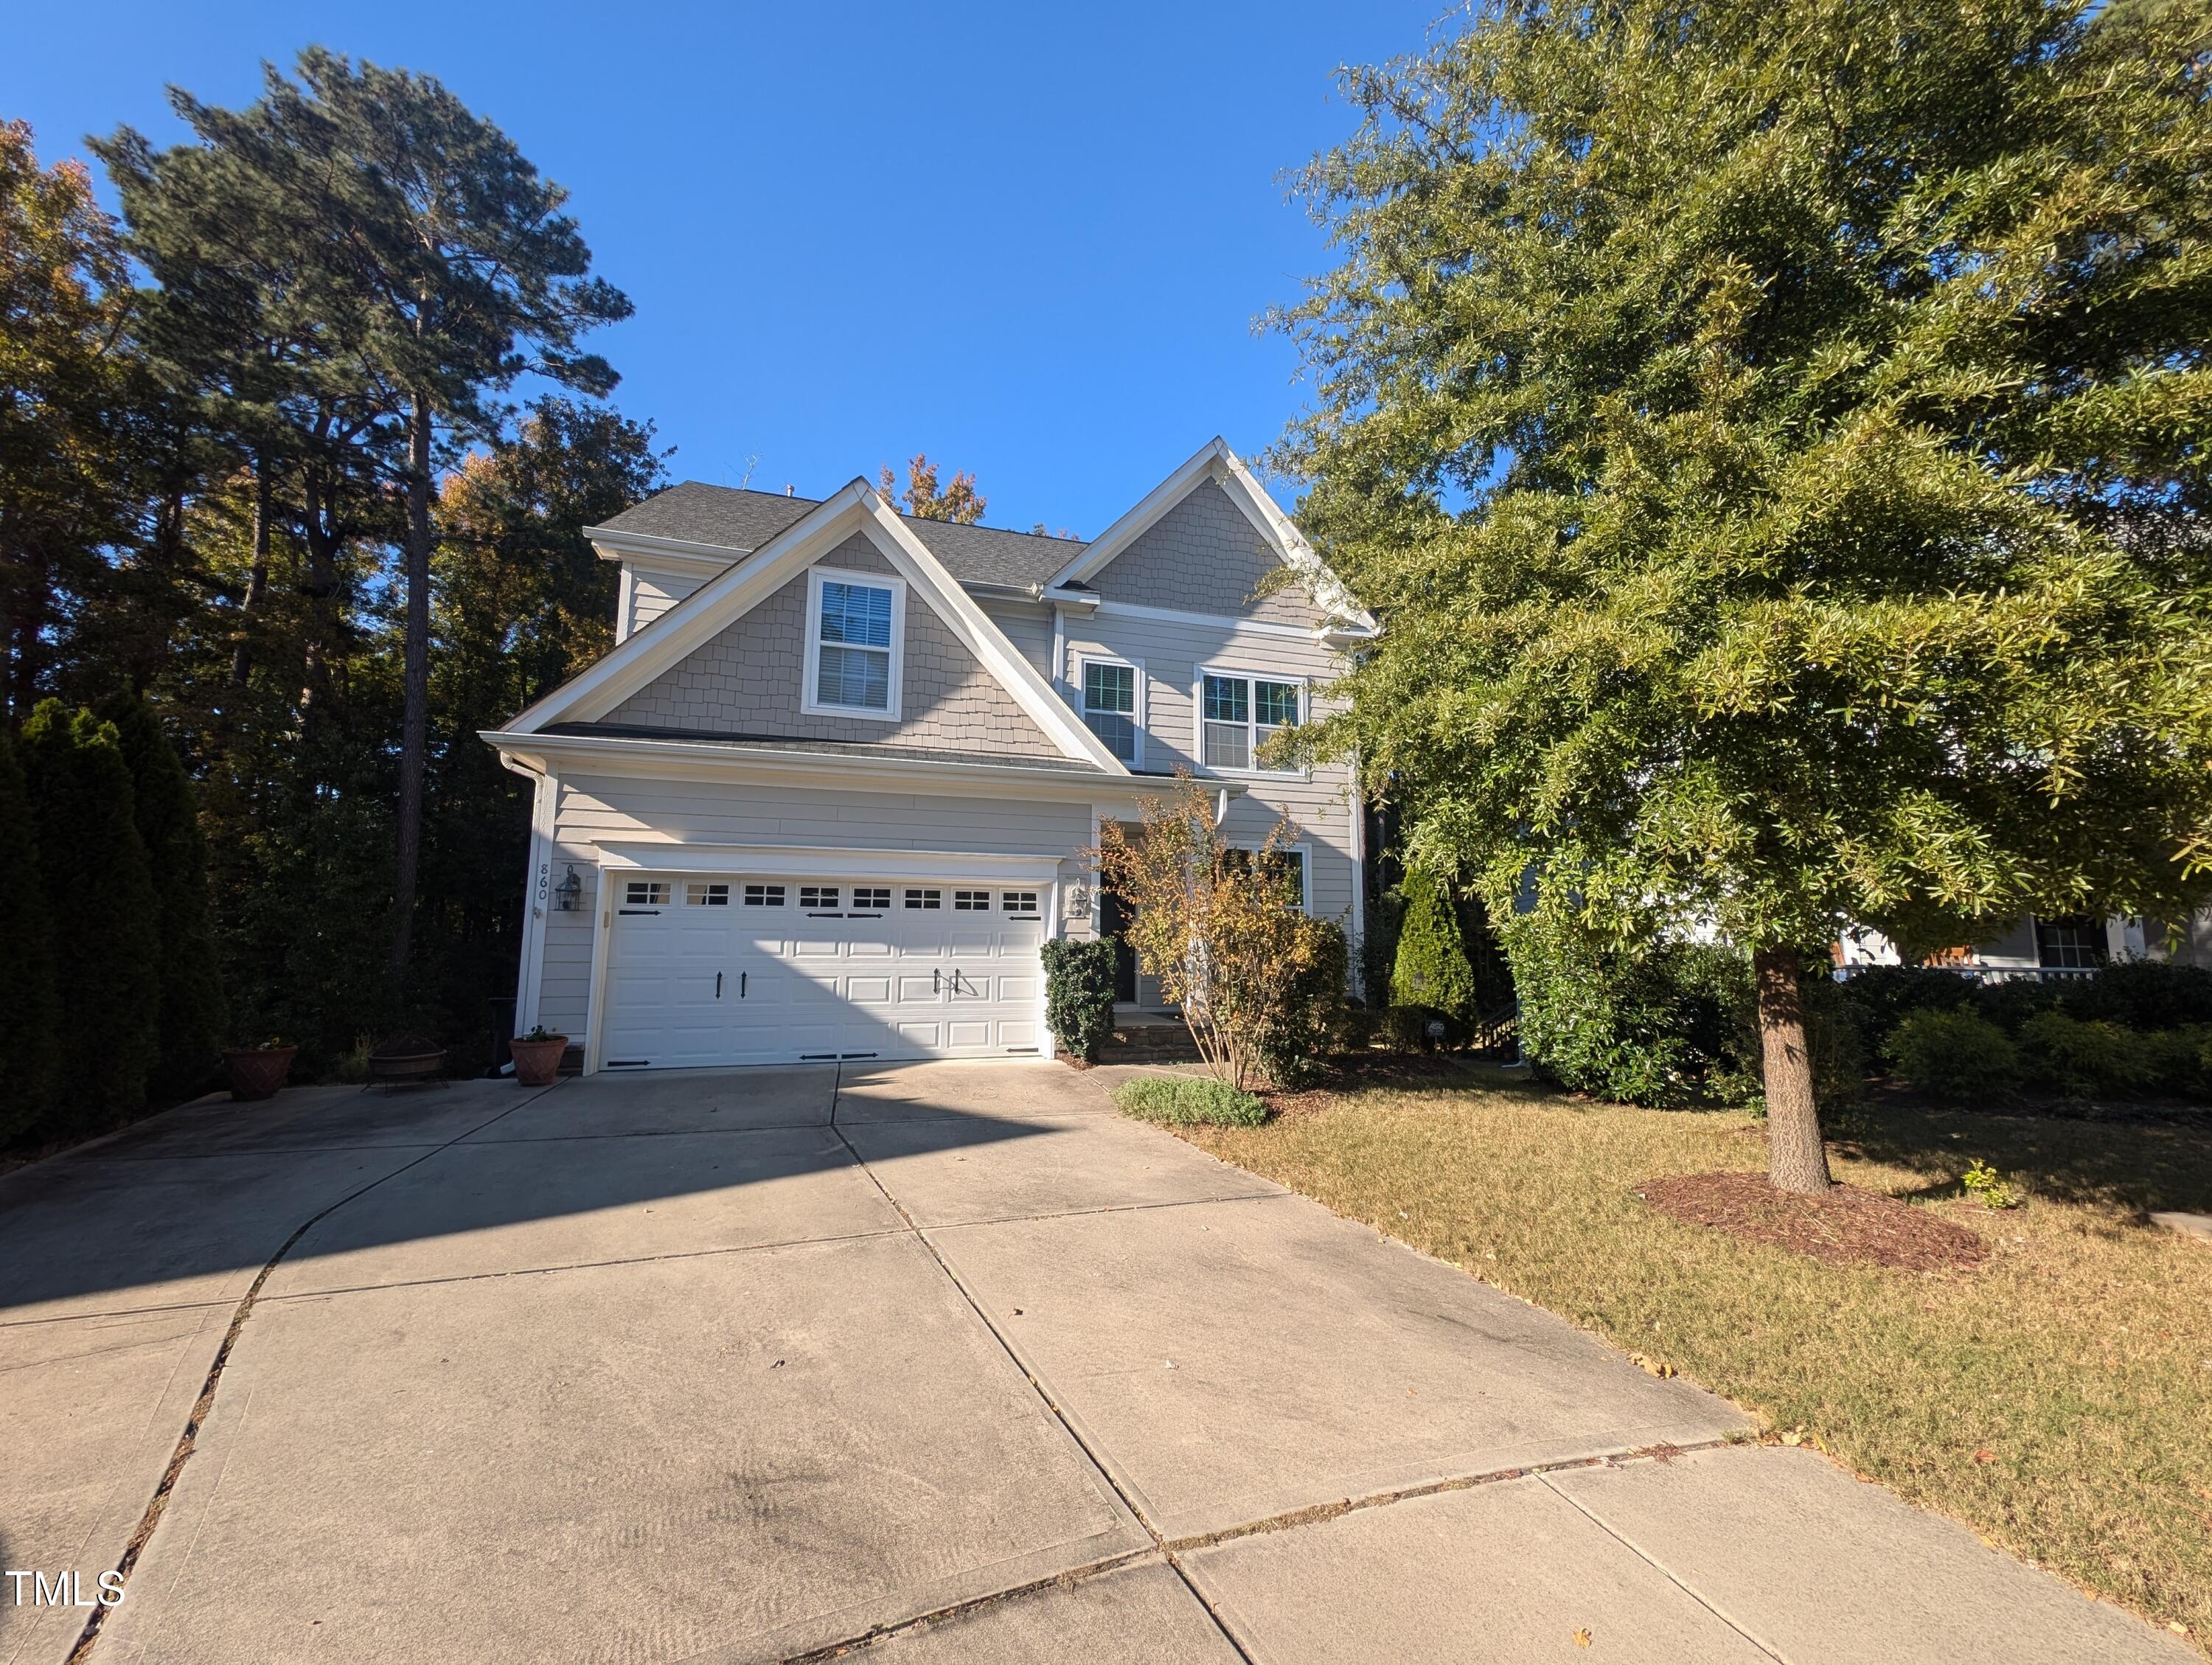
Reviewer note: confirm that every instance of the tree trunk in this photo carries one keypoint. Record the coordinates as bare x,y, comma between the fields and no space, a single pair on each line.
257,579
1796,1159
415,729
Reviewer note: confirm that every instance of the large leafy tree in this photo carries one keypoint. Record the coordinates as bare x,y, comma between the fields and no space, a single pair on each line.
1773,432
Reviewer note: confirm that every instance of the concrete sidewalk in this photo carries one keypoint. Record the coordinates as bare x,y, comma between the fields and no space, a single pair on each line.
947,1361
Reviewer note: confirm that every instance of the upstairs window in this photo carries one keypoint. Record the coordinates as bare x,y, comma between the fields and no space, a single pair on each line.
855,630
1237,715
2075,942
1110,706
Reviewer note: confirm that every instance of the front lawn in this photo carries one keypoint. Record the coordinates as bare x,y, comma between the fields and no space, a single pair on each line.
2057,1398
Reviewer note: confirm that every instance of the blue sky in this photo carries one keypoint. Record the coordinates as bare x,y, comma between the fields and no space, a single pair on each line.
1030,240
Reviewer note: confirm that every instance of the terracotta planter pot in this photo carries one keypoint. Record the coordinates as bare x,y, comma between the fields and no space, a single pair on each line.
537,1063
257,1071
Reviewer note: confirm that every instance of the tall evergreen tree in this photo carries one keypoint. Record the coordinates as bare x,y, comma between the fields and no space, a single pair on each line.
193,1015
101,912
1433,968
29,1059
1774,431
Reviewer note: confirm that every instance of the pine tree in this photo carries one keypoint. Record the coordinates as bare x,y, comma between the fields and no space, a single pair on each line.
28,1059
1433,968
100,910
193,1012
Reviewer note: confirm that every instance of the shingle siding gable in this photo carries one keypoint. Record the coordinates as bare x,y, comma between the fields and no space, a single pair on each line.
1203,556
747,680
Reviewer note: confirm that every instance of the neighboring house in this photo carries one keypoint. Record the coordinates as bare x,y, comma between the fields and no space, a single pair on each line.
2035,945
834,784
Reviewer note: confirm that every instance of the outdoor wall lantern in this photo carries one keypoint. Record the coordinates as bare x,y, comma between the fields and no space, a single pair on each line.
566,892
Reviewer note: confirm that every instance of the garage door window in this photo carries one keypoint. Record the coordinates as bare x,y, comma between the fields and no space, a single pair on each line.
873,898
1021,904
706,895
817,895
971,901
924,898
646,893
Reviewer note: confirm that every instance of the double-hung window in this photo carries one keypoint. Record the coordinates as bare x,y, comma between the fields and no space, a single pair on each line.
1237,713
1109,705
855,635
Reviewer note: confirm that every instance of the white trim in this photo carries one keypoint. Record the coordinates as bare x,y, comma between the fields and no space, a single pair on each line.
1230,673
809,672
1084,658
677,554
602,920
630,853
1214,460
701,760
537,892
1356,846
694,622
626,605
1217,621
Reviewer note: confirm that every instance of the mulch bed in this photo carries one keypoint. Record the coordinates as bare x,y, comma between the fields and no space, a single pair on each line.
1846,1227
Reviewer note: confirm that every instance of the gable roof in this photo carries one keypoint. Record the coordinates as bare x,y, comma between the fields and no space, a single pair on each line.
740,520
1214,460
719,603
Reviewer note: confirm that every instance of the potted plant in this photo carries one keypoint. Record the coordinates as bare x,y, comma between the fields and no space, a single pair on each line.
257,1071
537,1056
405,1060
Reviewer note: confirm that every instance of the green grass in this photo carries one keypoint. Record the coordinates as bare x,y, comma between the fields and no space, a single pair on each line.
2058,1399
1188,1100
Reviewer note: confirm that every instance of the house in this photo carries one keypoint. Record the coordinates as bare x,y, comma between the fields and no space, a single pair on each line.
834,786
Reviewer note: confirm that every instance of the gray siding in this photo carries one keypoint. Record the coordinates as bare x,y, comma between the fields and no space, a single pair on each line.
1028,625
747,680
616,808
1172,652
1203,557
652,594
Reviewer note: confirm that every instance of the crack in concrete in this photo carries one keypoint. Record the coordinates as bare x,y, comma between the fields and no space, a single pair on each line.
203,1407
1037,1386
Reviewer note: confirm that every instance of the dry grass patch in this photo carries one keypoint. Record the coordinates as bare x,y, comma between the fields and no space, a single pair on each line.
2057,1398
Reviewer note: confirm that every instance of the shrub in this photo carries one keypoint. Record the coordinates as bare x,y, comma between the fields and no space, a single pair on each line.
1952,1054
30,1055
193,1015
1433,968
2143,994
99,908
1378,946
1183,1101
1667,1026
1405,1029
1985,1186
1883,996
2089,1058
2009,1004
2181,1060
1079,994
1292,1038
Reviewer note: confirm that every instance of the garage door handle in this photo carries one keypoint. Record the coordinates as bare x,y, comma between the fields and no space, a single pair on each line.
936,981
718,985
742,976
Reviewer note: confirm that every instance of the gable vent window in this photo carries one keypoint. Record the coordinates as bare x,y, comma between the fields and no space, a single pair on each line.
971,901
764,895
865,895
645,893
706,895
924,898
1110,706
1239,715
1022,904
817,895
852,645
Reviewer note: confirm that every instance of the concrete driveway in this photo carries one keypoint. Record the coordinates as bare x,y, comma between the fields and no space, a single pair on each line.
945,1360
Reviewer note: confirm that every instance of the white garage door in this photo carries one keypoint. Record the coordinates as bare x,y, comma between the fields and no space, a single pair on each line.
744,971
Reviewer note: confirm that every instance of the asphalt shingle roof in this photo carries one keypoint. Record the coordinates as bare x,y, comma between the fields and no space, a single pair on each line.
737,519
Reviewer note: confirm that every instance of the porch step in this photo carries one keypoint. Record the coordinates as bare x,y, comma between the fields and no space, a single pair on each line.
1149,1043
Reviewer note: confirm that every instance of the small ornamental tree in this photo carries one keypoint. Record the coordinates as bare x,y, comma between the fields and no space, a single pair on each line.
28,1059
100,911
1771,433
1221,928
1432,969
193,1013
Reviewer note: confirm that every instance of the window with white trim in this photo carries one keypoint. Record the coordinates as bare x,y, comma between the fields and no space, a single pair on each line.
817,895
1022,904
1237,715
706,895
855,635
645,893
764,895
971,901
871,895
924,898
1286,862
1110,694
